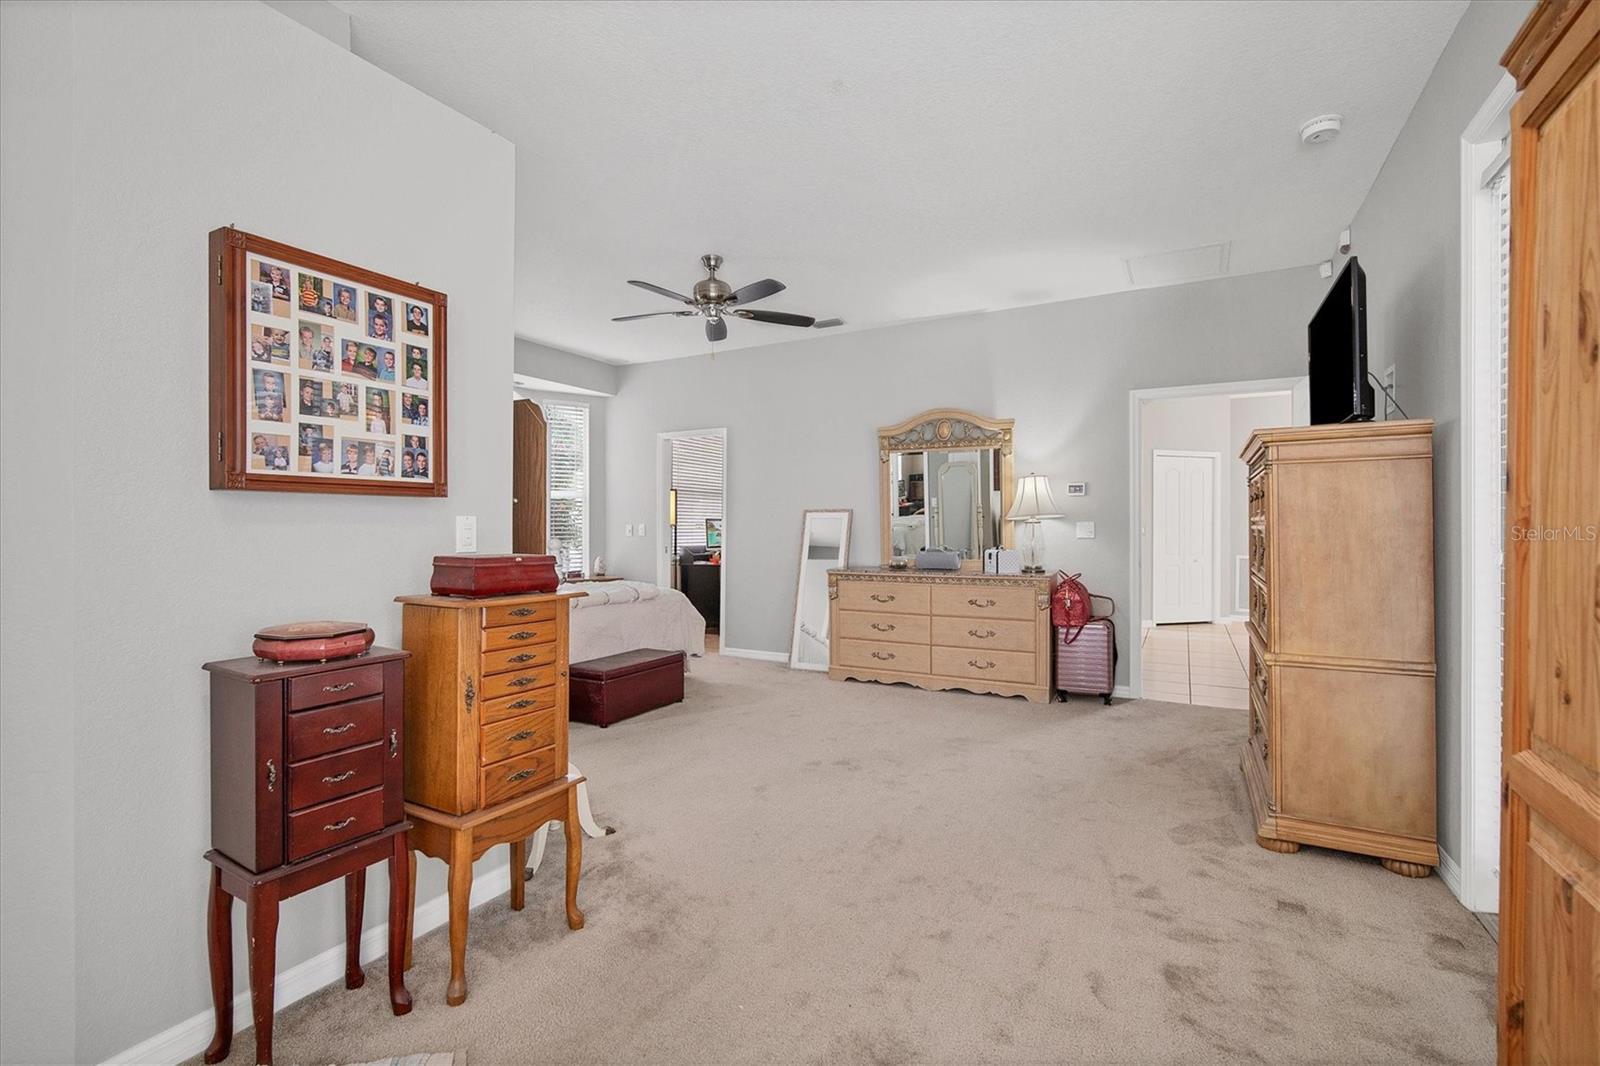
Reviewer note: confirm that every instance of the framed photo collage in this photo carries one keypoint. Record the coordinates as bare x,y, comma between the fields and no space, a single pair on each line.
325,377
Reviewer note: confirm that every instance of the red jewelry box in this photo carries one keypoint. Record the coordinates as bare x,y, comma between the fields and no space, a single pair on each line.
312,642
493,575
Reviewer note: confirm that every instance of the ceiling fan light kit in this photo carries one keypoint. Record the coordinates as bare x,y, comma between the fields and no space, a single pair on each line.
716,301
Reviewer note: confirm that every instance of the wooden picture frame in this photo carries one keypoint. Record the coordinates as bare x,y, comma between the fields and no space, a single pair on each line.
314,361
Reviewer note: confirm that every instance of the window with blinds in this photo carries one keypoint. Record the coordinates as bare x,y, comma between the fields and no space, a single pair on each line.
697,480
568,466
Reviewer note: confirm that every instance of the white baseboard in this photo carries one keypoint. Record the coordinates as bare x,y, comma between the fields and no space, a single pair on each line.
810,666
1147,624
1450,874
1236,616
189,1037
1122,692
751,653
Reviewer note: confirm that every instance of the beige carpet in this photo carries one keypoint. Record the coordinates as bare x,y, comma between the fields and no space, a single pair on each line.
826,872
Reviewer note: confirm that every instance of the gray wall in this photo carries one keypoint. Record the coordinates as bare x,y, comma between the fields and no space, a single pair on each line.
133,130
568,368
1408,238
802,419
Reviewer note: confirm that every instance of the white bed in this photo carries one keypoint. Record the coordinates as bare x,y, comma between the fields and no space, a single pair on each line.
625,615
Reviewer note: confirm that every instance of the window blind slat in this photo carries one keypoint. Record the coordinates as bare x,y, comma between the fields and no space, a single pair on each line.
697,478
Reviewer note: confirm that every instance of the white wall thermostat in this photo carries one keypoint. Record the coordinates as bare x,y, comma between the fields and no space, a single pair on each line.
1077,488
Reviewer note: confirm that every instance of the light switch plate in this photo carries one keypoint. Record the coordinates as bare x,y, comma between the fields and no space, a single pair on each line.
627,530
1085,530
641,529
466,532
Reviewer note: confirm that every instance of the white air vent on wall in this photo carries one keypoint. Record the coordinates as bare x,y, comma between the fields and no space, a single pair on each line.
1172,268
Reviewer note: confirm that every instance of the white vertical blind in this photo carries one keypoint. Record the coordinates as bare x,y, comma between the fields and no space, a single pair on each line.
697,477
568,462
1500,191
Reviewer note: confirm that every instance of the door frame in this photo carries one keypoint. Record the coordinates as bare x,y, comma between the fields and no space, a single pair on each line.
660,543
1215,561
1295,386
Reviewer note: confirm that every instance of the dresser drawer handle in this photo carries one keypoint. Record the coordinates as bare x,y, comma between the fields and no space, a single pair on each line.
878,597
523,634
335,730
336,778
523,703
883,627
347,686
523,612
987,664
523,682
526,734
883,656
522,775
526,656
978,603
985,635
272,775
394,743
343,823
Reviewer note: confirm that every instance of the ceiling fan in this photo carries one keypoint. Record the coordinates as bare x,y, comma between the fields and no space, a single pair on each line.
717,301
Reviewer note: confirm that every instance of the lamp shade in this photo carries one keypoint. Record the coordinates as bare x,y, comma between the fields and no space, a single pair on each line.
1033,500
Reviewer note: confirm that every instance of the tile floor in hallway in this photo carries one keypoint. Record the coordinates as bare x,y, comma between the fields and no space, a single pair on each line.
1203,663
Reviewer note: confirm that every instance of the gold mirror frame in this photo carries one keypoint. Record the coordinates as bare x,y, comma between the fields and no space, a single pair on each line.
946,429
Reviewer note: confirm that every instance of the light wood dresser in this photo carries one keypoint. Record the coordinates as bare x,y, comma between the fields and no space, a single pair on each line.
1340,751
942,629
486,742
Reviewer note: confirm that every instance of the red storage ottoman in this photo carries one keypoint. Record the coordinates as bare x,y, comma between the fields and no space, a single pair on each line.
620,686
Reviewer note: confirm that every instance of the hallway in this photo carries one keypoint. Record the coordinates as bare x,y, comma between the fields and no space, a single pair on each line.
1203,663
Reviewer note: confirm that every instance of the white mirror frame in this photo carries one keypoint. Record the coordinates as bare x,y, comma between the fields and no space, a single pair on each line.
796,632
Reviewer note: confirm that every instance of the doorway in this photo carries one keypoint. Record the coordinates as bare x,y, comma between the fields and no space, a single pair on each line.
1198,427
692,519
1183,518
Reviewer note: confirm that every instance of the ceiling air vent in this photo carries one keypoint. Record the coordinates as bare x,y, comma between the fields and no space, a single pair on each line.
1172,268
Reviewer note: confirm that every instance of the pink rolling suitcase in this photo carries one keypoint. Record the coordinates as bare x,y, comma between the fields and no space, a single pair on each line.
1088,664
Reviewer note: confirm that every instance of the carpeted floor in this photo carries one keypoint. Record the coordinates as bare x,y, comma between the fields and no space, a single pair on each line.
827,872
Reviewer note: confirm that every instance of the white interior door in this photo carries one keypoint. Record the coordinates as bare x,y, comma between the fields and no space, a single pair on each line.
1183,499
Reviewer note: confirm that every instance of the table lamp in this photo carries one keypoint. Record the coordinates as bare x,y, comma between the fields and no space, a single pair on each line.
1032,503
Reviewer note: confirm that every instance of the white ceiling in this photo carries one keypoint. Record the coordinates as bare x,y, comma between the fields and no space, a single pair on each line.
891,162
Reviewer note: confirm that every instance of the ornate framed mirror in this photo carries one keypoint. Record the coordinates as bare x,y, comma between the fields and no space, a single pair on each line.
945,480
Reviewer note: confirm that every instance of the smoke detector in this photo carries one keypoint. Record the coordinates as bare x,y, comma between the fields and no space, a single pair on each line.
1321,129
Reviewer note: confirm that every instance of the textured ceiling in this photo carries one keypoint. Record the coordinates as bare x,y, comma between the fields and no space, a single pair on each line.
891,162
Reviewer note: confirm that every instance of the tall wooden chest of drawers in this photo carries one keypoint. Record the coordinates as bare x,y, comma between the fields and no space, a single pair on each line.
942,629
1340,751
486,698
307,767
297,748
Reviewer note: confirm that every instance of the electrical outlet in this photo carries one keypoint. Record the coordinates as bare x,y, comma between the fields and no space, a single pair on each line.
466,532
1389,408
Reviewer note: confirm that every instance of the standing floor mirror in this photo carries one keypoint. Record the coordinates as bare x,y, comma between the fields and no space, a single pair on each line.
824,546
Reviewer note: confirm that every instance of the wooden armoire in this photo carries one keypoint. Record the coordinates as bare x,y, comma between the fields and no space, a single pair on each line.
1550,817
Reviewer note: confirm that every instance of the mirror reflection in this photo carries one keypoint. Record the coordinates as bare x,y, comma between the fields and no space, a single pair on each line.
945,499
824,546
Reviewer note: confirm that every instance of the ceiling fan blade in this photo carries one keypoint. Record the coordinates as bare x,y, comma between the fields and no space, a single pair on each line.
716,329
651,314
778,318
664,292
756,290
